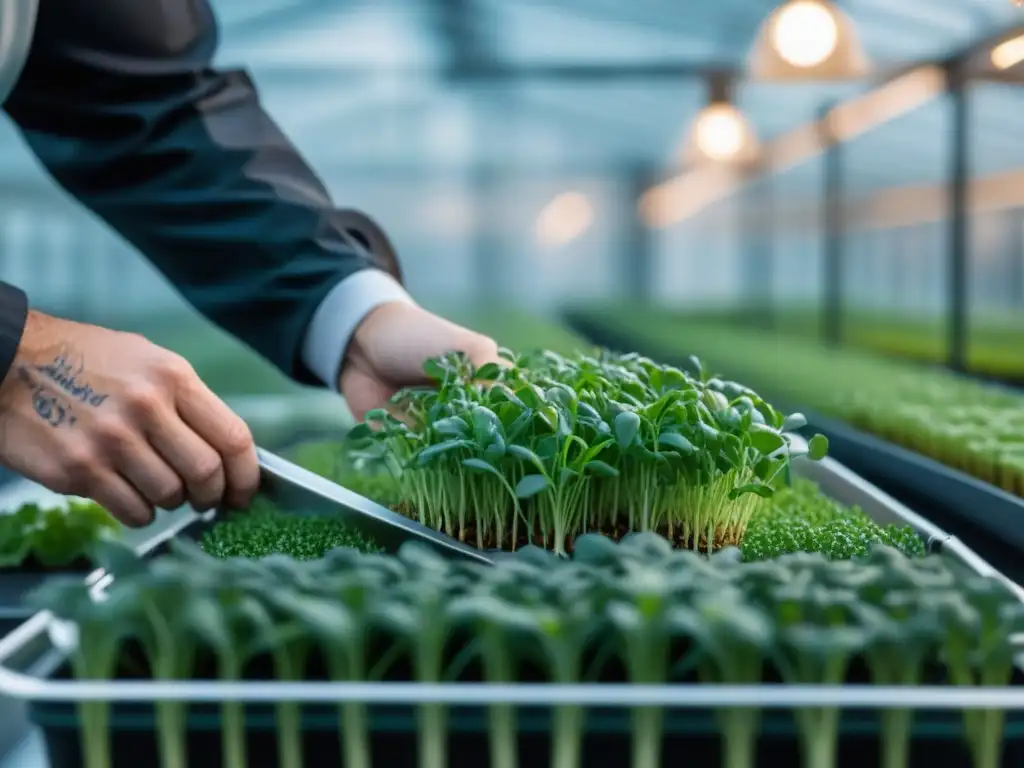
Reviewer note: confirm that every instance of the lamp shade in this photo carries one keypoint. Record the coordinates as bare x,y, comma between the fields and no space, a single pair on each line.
807,40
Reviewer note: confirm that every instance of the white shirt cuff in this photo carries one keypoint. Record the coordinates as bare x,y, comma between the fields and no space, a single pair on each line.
338,316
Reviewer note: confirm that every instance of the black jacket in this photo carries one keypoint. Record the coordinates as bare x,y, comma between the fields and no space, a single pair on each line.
120,102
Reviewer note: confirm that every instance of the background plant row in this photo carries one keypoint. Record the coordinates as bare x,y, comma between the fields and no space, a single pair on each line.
965,424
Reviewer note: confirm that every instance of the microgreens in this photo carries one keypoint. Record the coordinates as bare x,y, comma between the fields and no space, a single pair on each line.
670,615
548,447
800,518
264,529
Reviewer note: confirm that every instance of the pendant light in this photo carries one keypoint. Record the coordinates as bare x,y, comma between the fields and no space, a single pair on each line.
808,40
720,133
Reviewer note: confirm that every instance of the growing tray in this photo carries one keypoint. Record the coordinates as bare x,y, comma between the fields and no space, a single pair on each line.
31,668
926,483
606,743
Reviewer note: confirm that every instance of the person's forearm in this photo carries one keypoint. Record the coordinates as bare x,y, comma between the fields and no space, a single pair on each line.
183,162
13,313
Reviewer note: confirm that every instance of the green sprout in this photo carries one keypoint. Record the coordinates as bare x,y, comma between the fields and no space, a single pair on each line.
734,639
641,619
668,614
99,631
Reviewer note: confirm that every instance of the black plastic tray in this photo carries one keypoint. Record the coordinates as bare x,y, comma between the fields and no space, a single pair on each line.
985,517
937,738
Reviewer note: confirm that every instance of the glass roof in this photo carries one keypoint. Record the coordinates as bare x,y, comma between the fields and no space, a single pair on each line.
357,83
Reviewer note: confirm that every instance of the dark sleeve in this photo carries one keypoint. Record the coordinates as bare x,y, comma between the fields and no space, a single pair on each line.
13,313
121,104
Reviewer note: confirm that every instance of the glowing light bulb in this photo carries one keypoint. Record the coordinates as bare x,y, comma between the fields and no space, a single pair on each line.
1008,54
805,33
564,219
719,133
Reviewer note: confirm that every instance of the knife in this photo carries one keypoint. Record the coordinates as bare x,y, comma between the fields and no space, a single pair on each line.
293,488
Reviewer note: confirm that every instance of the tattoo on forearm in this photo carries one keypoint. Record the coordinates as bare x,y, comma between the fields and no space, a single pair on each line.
57,388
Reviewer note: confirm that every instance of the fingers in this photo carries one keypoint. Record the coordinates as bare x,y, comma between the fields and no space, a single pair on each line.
118,496
195,436
197,467
157,482
166,462
482,350
210,419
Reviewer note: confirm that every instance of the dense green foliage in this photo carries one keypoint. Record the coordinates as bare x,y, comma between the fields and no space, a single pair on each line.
665,614
803,519
264,529
965,424
547,447
55,536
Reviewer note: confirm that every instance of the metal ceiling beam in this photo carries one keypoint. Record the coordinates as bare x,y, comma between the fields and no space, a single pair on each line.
917,20
597,73
501,72
617,13
514,167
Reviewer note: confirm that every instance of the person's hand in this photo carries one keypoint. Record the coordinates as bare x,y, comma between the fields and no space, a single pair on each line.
389,347
112,417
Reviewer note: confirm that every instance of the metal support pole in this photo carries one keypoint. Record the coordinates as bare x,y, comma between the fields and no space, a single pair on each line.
758,238
897,269
1015,259
637,257
765,199
745,222
486,230
833,232
959,219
